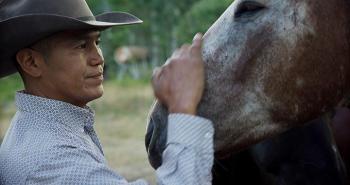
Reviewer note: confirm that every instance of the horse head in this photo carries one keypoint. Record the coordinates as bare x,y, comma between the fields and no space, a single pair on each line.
270,65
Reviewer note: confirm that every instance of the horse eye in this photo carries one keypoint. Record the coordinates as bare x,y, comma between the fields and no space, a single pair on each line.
248,8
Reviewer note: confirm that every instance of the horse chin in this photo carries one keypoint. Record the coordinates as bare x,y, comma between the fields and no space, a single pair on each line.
240,125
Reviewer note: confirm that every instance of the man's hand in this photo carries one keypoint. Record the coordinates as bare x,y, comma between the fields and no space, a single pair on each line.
179,83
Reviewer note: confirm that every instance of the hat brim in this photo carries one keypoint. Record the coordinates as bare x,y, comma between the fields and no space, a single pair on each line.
23,31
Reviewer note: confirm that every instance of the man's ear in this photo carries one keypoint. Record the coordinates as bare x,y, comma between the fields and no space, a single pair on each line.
31,62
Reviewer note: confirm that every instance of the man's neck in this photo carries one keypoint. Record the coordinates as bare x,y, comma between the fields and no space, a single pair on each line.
40,93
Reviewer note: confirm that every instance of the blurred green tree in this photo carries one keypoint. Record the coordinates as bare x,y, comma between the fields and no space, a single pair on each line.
167,25
199,18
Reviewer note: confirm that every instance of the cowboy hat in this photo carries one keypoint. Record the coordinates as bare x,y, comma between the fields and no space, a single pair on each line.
24,22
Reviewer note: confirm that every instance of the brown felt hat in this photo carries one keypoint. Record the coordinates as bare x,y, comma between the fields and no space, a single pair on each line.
24,22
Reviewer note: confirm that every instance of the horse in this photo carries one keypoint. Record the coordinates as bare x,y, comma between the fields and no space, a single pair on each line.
272,67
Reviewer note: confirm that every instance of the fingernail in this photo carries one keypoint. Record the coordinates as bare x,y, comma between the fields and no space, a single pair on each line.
197,36
155,70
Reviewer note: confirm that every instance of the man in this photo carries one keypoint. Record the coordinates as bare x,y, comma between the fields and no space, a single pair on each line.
51,140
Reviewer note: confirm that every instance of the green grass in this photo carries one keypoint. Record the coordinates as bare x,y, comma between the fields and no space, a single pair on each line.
121,116
8,86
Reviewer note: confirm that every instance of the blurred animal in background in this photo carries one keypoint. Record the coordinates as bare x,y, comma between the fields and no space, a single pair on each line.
275,72
133,60
127,54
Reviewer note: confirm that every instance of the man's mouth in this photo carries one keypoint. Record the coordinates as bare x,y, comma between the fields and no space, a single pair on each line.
95,75
98,77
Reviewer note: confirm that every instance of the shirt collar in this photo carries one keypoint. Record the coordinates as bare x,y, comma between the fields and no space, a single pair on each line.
56,111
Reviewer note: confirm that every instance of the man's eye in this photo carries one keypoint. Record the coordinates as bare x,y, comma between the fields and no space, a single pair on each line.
98,42
82,46
248,8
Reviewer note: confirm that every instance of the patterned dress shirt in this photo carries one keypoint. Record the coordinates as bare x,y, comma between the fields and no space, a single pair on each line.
52,142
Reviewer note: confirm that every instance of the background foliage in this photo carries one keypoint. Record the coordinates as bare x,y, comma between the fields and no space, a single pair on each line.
167,25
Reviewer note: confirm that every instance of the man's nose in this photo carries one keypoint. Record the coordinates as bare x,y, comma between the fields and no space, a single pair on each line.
96,56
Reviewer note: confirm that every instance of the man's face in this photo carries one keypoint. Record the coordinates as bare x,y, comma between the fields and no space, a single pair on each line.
73,71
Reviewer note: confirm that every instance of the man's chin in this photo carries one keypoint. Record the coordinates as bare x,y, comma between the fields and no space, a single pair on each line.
95,93
99,92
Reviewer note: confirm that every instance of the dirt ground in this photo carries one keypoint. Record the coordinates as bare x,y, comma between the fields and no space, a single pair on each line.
121,118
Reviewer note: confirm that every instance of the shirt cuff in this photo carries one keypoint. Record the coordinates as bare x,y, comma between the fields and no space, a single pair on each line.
190,130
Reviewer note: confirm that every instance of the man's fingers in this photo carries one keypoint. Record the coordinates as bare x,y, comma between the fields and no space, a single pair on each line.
175,54
158,83
156,71
167,61
155,75
196,47
197,40
179,83
156,80
184,49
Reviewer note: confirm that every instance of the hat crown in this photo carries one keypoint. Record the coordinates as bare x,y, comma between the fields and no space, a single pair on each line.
70,8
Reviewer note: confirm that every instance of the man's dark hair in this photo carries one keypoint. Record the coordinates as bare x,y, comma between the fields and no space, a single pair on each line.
43,46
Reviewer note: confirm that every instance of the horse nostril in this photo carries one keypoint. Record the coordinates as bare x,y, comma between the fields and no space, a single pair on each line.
156,135
154,143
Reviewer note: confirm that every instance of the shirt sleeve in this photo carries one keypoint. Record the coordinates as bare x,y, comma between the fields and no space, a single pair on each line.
187,159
